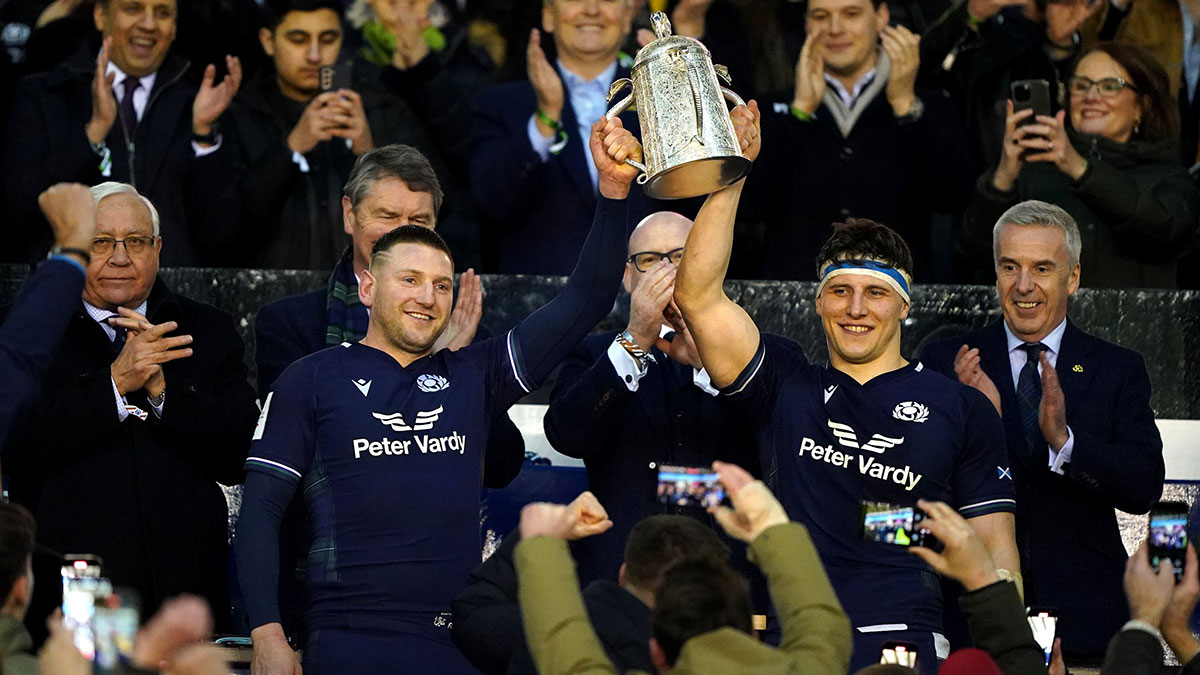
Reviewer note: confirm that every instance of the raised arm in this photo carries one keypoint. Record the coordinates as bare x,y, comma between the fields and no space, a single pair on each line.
725,335
545,337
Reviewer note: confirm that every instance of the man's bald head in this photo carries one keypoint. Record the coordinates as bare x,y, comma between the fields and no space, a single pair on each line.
659,235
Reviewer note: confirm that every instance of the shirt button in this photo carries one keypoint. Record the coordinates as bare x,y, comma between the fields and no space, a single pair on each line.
629,379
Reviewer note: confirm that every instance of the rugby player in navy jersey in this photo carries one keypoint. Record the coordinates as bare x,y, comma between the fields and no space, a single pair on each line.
385,438
870,427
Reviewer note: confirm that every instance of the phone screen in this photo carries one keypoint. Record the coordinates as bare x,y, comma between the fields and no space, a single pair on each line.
902,653
81,585
689,486
894,524
1168,535
115,625
1044,622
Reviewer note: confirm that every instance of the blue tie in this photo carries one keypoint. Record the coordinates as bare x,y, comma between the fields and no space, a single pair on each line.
1029,395
128,112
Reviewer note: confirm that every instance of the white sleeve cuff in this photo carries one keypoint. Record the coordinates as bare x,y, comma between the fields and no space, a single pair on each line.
700,379
541,144
1063,455
158,409
626,366
300,161
1138,624
202,151
122,412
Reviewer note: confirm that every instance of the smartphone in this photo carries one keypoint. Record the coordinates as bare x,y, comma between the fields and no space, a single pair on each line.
1043,621
115,625
336,76
697,487
1031,95
1168,535
894,524
81,585
902,653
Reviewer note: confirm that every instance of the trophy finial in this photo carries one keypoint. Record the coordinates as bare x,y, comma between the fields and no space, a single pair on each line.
661,24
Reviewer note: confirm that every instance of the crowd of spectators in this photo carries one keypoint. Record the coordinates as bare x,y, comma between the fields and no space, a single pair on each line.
337,136
890,111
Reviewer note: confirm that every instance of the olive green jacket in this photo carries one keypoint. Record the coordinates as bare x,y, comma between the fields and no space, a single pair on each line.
816,632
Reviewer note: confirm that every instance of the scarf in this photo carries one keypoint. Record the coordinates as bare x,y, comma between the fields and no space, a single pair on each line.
347,317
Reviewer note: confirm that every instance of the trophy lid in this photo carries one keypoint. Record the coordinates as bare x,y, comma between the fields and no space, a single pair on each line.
665,41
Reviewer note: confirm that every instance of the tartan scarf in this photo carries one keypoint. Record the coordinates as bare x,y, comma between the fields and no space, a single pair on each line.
347,317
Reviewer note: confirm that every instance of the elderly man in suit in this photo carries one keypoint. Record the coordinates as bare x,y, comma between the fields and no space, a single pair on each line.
1081,435
145,408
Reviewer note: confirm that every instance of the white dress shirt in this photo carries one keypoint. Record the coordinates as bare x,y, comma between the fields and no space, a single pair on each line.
1016,360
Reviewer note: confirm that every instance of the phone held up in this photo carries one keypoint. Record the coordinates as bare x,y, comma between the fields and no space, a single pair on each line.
895,524
694,487
902,653
103,622
1043,621
336,76
1168,535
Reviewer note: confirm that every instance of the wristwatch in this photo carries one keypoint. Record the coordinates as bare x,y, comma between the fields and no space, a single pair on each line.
67,250
625,339
157,401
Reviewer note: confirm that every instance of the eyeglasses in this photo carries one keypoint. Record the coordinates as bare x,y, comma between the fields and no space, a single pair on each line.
1108,87
646,259
133,245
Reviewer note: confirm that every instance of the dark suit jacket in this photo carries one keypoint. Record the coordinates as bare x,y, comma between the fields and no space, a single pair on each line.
618,433
30,335
46,144
143,495
536,215
1071,551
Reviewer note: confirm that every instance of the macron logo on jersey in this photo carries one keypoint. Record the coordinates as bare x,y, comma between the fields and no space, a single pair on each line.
423,422
363,386
829,391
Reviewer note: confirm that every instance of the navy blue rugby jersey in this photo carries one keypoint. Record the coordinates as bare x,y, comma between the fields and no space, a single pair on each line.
827,443
389,462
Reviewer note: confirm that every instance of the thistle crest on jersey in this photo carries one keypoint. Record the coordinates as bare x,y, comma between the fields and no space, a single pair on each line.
430,383
911,411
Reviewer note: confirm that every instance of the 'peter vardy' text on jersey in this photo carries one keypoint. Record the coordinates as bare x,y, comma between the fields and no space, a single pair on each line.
389,462
827,443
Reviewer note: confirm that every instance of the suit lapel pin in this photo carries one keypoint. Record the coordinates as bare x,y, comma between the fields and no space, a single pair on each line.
1077,368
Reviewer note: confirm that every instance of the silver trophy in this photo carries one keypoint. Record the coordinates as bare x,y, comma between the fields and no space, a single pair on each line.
688,142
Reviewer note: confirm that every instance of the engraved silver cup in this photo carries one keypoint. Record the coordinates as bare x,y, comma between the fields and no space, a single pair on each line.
688,142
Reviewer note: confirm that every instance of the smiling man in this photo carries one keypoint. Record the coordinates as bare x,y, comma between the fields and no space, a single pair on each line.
386,438
1081,434
857,136
145,408
126,114
873,426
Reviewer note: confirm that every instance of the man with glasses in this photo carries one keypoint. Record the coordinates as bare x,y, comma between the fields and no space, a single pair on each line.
628,401
145,408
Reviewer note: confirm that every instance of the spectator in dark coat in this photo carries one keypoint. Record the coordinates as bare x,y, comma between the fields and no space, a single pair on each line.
161,135
531,175
1111,161
855,139
296,142
487,615
108,460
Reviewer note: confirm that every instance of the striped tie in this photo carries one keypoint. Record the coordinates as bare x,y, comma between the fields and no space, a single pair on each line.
1029,395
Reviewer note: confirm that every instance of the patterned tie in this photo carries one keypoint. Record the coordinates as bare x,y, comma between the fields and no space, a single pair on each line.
128,113
1029,395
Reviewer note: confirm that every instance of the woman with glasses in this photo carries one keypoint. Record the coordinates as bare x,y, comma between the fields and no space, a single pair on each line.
1111,159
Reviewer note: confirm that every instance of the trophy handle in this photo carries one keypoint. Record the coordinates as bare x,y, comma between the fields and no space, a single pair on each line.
732,97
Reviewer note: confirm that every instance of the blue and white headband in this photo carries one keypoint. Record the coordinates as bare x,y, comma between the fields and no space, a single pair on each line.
896,278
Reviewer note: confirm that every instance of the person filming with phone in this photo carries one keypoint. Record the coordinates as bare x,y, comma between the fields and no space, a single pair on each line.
1110,159
701,610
